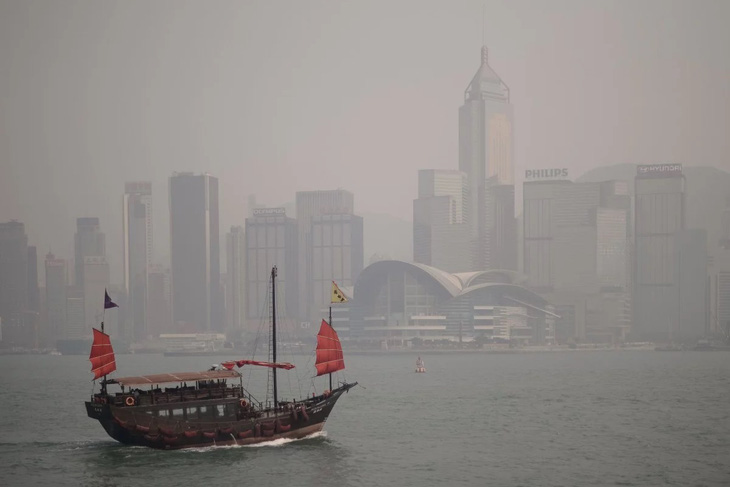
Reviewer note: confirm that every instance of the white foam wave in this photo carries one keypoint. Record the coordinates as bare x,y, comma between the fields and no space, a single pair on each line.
285,441
273,443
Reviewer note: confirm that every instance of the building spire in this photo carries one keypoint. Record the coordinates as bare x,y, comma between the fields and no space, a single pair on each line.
486,84
484,22
485,51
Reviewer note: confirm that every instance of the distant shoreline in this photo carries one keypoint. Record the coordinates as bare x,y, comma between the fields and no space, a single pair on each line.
412,351
417,351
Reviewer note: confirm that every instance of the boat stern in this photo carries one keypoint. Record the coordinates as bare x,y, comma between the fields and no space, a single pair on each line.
98,410
103,413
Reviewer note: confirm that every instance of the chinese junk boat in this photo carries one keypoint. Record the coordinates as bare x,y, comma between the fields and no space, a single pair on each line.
211,407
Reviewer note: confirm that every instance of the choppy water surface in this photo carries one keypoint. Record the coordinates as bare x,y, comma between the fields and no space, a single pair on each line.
547,419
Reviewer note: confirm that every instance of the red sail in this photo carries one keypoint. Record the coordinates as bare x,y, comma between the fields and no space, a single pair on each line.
102,357
329,351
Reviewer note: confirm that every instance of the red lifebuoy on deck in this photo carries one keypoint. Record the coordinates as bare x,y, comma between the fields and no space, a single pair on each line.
129,401
243,403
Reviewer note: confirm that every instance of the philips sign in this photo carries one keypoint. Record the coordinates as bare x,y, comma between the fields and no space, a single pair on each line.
659,171
535,174
268,211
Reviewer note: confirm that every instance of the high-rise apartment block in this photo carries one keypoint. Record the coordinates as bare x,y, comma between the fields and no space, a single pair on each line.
659,216
137,253
195,253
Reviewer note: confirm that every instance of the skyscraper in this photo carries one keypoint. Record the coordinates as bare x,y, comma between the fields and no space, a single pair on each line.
90,259
496,244
96,281
446,182
34,295
137,253
539,211
486,157
13,282
56,295
659,215
575,252
32,315
159,314
725,226
692,272
236,278
75,325
311,204
722,304
441,236
89,242
271,240
337,255
195,253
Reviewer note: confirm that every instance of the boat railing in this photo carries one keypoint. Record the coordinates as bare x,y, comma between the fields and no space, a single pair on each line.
255,403
139,397
174,395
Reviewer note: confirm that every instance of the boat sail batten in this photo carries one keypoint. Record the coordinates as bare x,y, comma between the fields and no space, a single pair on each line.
329,351
102,357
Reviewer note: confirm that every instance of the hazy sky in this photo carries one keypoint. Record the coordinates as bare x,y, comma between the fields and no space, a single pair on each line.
274,97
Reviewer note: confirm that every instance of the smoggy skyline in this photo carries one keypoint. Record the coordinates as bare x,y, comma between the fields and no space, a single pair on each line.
278,97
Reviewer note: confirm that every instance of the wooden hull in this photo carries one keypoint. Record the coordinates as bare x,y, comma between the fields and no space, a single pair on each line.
130,426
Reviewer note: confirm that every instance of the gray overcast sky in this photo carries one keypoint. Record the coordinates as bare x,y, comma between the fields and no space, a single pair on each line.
274,97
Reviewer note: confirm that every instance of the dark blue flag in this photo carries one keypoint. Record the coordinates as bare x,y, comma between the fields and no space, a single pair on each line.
108,303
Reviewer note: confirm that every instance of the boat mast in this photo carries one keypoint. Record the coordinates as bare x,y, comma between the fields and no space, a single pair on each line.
103,315
273,330
333,329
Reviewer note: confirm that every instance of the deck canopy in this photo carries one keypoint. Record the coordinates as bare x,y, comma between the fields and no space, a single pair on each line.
145,380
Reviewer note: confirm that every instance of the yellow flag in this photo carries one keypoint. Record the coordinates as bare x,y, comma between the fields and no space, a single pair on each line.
337,295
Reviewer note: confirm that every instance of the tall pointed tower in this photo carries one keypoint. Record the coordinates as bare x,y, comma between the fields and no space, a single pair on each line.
486,156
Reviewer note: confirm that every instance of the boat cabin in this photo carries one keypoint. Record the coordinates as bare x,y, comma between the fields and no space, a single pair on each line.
200,396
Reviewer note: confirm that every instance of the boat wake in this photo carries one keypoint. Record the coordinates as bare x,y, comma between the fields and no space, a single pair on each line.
286,441
58,445
266,444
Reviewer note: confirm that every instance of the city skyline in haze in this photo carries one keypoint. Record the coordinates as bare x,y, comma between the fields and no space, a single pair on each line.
278,97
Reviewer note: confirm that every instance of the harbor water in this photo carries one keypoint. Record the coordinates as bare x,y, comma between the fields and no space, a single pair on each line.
631,418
